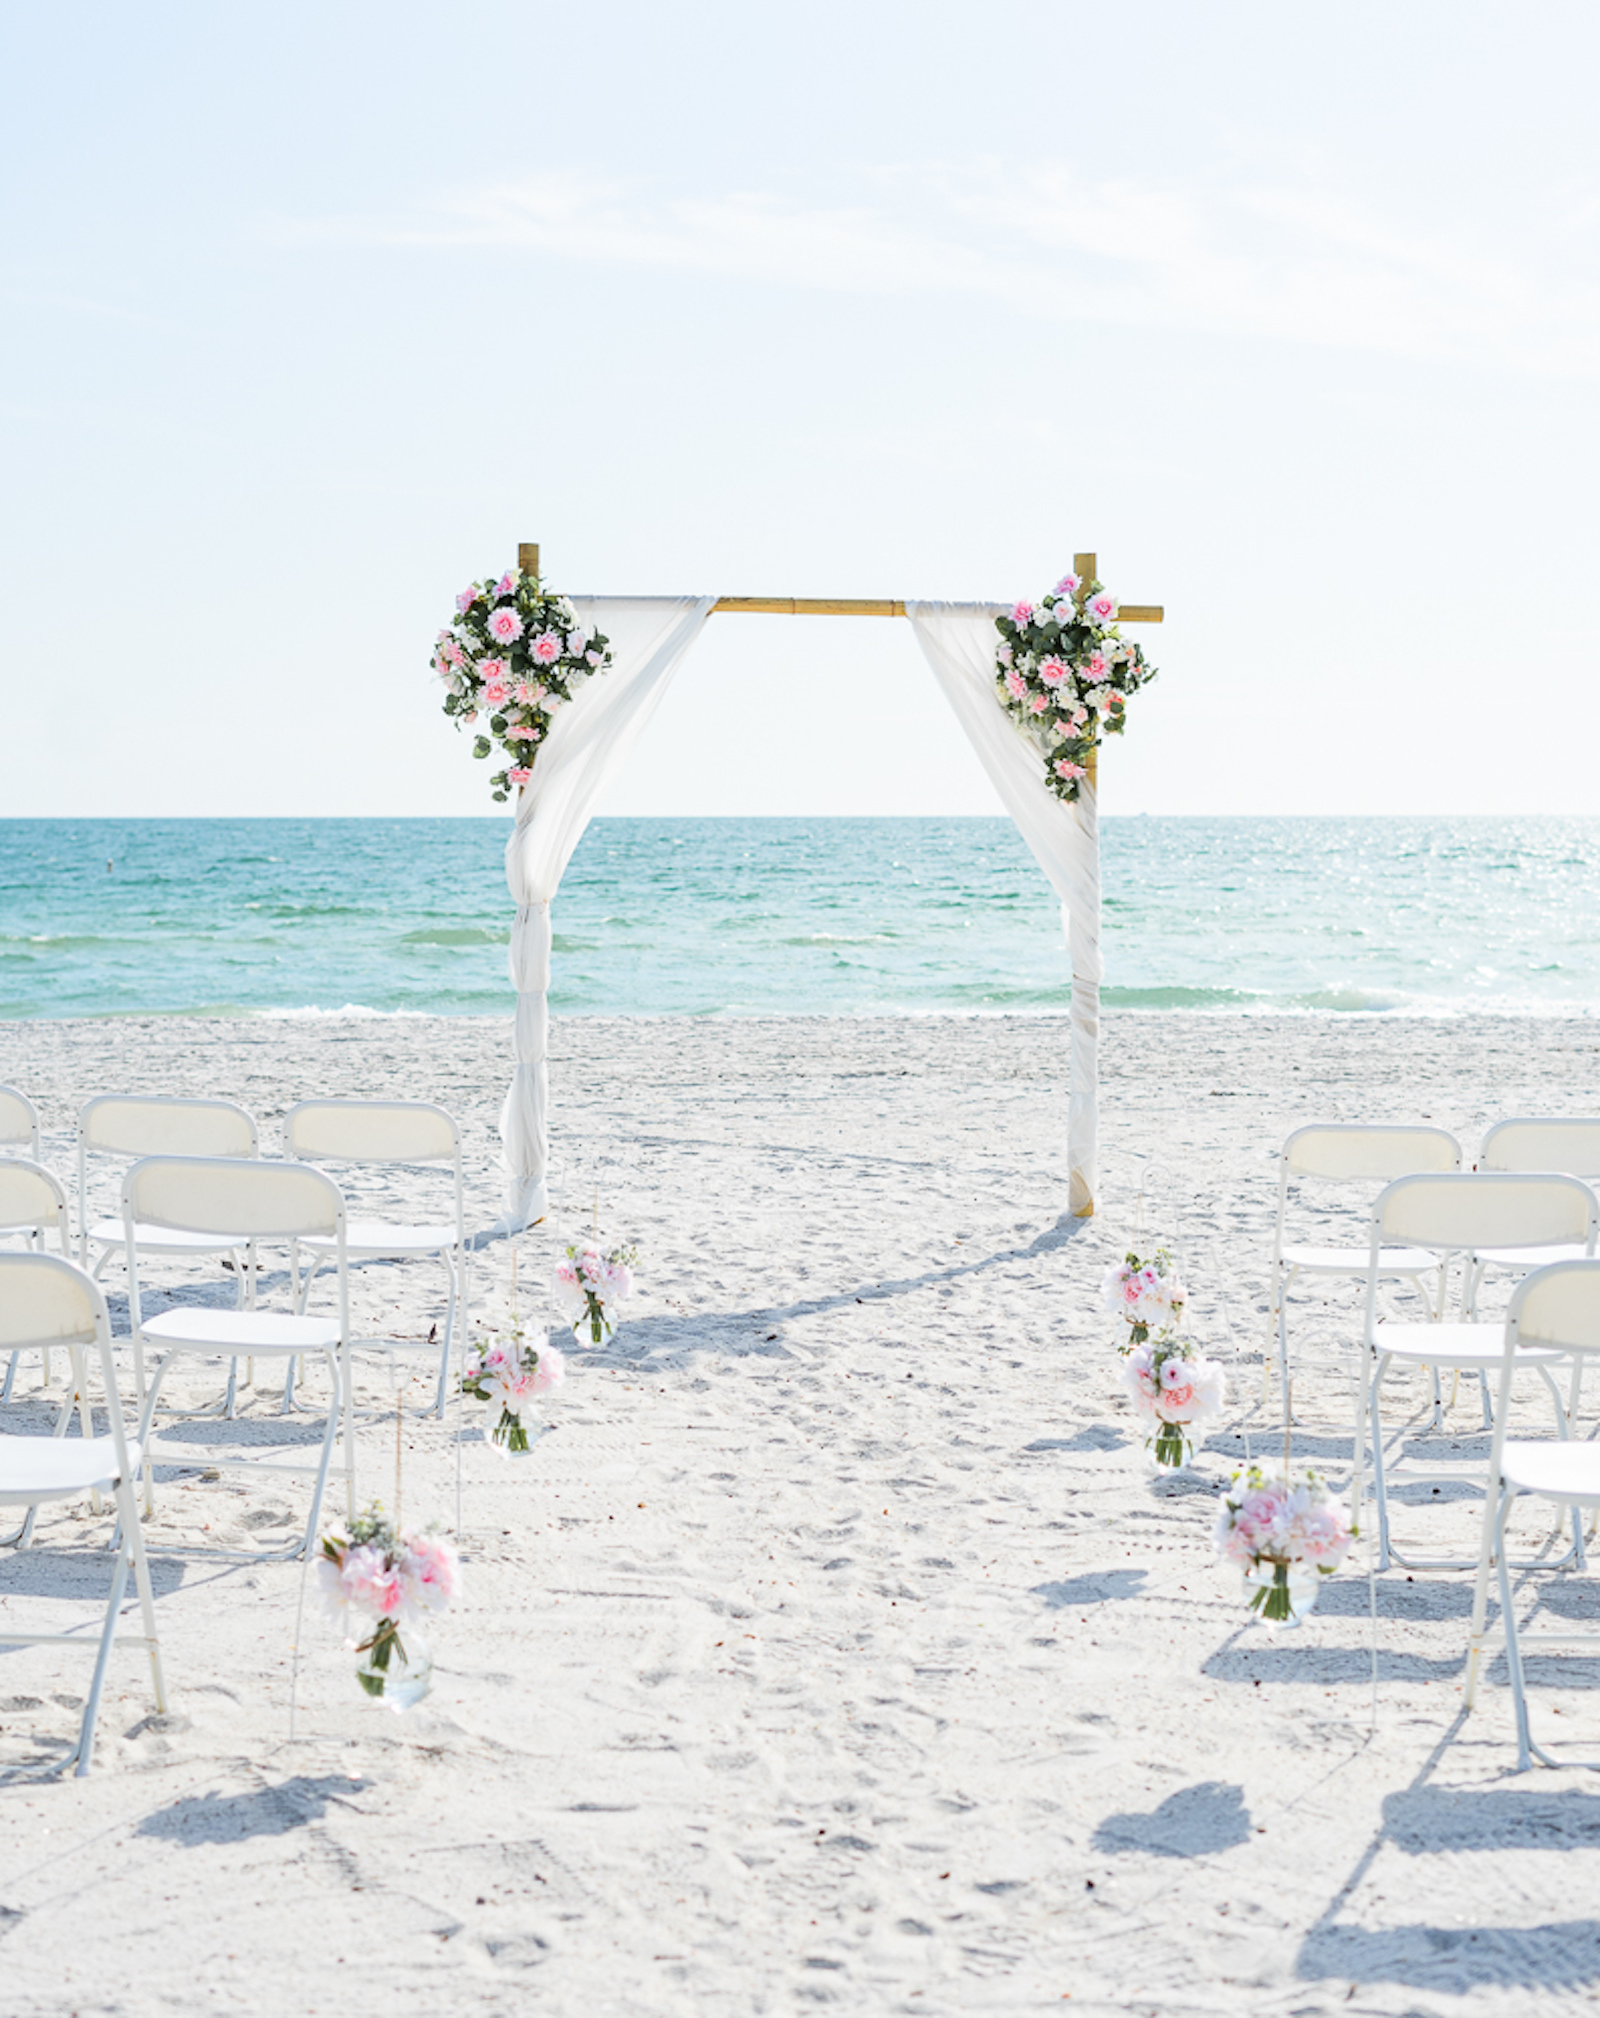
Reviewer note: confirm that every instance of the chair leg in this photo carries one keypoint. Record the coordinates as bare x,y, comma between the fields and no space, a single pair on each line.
449,1335
11,1377
91,1709
1508,1623
141,1579
1379,1492
335,1412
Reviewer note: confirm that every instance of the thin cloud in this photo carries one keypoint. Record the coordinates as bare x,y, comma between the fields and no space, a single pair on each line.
1244,260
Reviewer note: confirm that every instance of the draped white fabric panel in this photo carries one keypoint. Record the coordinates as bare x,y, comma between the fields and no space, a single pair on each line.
589,742
958,640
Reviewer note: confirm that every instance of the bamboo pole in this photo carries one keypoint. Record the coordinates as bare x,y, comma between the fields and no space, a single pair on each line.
841,606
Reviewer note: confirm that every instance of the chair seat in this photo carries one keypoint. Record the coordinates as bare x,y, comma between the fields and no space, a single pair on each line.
374,1240
1353,1260
164,1239
1563,1470
258,1332
1476,1345
34,1468
1530,1257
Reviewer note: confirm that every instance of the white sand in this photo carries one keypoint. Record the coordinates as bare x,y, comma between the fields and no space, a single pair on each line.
832,1649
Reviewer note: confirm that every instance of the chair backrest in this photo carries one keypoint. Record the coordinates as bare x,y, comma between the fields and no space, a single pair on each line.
219,1195
1543,1143
19,1122
1459,1210
1558,1305
371,1131
1343,1150
44,1301
147,1124
32,1197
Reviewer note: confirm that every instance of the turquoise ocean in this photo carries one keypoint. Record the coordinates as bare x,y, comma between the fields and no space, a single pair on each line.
759,917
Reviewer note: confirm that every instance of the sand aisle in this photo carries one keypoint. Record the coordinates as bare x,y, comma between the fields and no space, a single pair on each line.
832,1650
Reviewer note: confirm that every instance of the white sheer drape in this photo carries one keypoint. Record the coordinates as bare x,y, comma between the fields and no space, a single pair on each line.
959,640
589,741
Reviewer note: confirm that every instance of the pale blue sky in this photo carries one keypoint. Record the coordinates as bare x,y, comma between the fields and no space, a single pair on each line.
313,311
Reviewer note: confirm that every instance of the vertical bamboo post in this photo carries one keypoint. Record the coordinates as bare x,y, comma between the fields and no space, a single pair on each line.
528,556
1082,1207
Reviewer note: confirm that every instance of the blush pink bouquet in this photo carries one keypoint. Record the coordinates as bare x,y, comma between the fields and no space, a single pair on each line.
387,1580
1064,673
589,1284
1177,1390
508,1372
1282,1526
1148,1295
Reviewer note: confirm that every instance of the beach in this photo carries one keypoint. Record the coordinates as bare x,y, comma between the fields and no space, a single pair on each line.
831,1648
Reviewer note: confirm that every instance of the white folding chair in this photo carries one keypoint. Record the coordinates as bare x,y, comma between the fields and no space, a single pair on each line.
1537,1143
138,1124
277,1202
31,1203
1346,1152
1457,1213
19,1124
382,1132
44,1302
1557,1308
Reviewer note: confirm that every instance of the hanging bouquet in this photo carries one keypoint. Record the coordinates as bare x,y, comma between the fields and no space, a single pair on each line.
514,654
507,1372
1286,1531
387,1580
588,1284
1150,1295
1177,1390
1064,675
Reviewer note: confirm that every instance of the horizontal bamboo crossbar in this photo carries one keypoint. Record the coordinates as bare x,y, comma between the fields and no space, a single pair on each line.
844,606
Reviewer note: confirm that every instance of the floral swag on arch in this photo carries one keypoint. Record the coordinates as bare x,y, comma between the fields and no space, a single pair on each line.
516,654
1064,674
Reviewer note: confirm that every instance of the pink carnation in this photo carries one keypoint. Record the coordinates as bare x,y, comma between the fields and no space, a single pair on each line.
521,732
431,1570
1067,769
467,597
1052,672
519,774
496,693
1097,667
546,647
1069,585
507,584
1022,613
494,669
1102,607
531,696
1016,685
505,626
1040,704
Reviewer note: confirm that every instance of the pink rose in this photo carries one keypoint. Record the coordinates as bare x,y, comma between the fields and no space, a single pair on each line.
551,1370
467,597
505,626
1040,704
1022,613
1052,672
507,584
1067,769
495,693
1069,585
1097,667
518,775
530,697
546,647
521,732
1016,685
494,669
1102,607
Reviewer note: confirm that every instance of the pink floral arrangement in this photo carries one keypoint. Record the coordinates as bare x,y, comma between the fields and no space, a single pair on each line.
509,1373
588,1284
1149,1295
1176,1389
514,655
388,1580
1285,1518
1064,674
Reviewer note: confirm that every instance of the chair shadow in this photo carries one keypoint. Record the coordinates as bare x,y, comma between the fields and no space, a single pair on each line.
80,1574
1559,1955
1272,1662
1098,1436
233,1818
1196,1821
1421,1820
